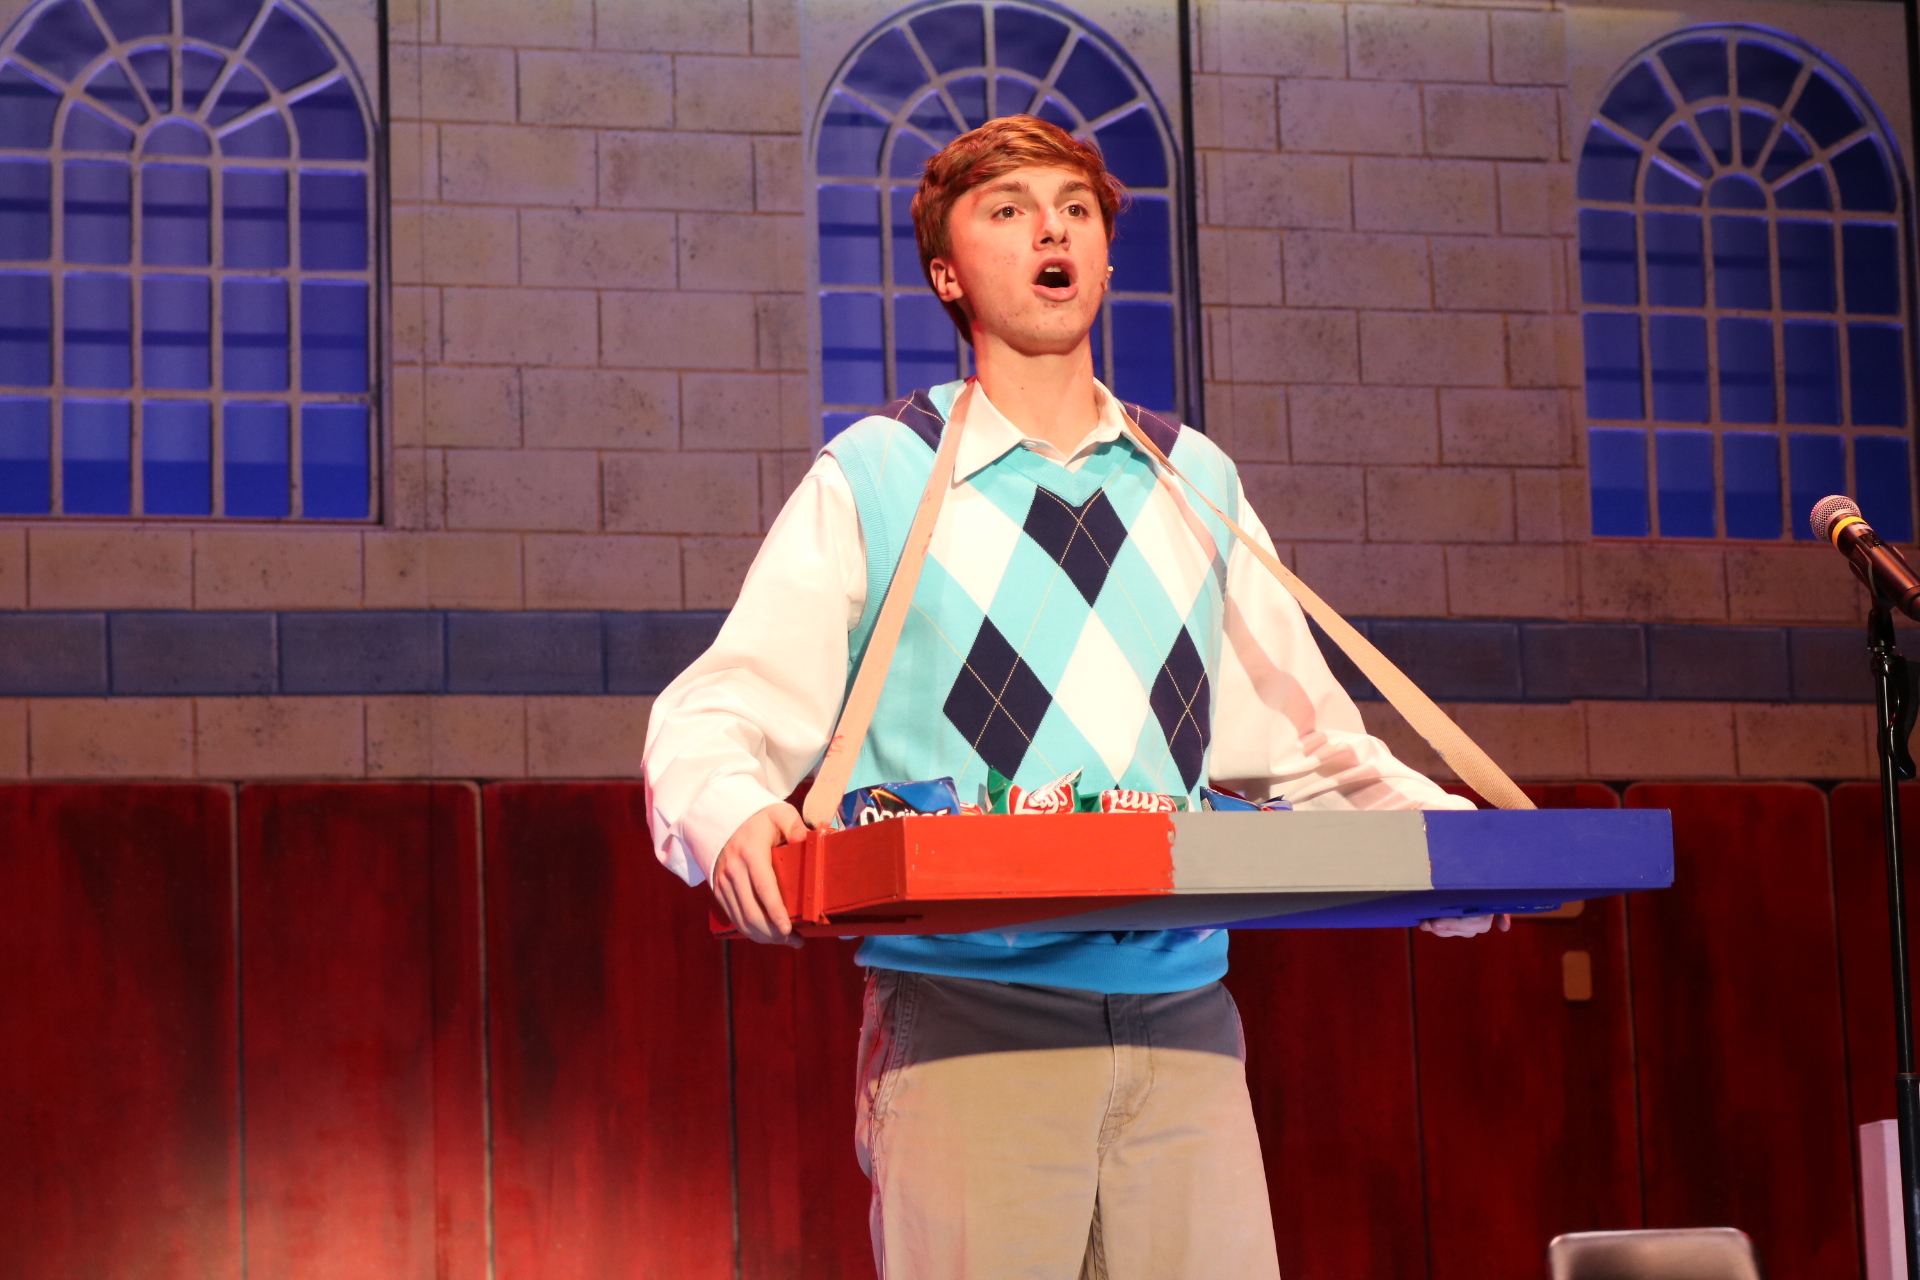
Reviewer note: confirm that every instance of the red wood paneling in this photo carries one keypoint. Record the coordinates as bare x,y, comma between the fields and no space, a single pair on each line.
1736,991
1526,1099
1329,1024
1866,952
796,1032
612,1148
119,1098
360,999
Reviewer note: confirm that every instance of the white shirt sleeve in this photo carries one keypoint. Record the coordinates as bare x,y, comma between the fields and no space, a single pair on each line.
1283,727
739,729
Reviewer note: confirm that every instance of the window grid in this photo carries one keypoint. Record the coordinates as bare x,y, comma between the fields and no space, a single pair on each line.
913,85
225,161
1675,131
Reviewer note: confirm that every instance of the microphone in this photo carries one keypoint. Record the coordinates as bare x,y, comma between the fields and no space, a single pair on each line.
1883,569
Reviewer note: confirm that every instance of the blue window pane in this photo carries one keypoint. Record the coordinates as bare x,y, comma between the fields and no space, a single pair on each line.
1816,467
1683,462
96,457
1865,183
1736,192
887,72
1092,82
1882,483
1755,128
832,424
89,130
849,143
1789,153
253,218
1099,340
1143,353
254,445
111,88
852,360
1617,472
1609,261
64,39
243,93
26,330
1741,275
1677,348
97,212
1872,257
1142,250
1750,462
969,94
1716,130
177,138
221,22
1877,377
1666,187
1806,265
1676,269
906,249
1638,103
198,73
1027,41
952,38
1766,74
153,68
26,469
1698,68
253,335
1133,149
333,336
288,51
932,118
1054,113
333,221
910,156
176,320
333,462
27,109
849,235
1825,111
1808,191
176,458
265,139
131,19
924,343
26,210
1613,365
176,211
1746,370
99,331
1681,146
1813,373
1011,96
329,124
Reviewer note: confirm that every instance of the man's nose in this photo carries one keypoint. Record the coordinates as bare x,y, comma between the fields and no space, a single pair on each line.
1053,227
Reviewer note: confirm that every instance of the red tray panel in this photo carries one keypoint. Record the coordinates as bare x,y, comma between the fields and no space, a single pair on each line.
1742,1062
119,1094
612,1147
1330,1064
360,993
1526,1098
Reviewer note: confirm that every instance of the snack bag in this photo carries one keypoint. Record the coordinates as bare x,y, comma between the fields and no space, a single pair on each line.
1006,796
1122,800
1227,802
897,800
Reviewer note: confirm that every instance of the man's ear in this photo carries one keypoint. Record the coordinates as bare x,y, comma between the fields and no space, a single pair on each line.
946,285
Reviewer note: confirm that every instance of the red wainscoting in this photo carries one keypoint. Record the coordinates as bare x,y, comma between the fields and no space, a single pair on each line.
1866,953
404,987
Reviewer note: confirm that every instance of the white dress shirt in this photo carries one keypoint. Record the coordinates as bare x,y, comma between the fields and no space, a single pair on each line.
741,726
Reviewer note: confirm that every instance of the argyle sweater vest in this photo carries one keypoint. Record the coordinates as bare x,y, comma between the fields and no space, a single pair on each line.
1064,620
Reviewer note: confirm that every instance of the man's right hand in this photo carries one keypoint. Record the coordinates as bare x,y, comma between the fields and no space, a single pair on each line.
743,878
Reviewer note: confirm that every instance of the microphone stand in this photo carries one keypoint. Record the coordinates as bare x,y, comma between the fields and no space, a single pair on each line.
1895,697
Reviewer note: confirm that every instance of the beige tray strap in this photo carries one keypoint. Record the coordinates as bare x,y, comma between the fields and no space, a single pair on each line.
843,749
1462,754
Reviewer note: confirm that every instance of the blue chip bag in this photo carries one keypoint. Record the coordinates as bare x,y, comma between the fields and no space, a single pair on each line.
898,800
1226,802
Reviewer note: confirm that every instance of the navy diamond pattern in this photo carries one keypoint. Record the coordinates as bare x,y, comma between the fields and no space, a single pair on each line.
1082,540
1181,703
997,702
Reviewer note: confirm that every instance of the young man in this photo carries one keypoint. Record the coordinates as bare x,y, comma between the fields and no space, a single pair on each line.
1034,1105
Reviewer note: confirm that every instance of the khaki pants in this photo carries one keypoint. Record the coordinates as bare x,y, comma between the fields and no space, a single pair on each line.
1045,1133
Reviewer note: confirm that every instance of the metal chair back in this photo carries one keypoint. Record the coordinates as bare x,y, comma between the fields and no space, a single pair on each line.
1696,1253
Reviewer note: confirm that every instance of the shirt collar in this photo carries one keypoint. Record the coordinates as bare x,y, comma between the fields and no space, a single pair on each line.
987,435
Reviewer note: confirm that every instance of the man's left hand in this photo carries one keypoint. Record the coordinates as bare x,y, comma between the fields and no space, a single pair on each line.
1466,926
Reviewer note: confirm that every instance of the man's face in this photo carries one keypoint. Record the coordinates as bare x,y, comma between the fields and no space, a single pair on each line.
1028,259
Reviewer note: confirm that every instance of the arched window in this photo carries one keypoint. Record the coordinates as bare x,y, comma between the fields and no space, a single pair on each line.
913,85
1744,281
186,263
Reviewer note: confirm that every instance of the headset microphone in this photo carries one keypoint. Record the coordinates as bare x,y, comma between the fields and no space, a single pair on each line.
1879,566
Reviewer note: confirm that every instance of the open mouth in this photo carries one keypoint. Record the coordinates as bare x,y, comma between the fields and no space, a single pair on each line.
1055,278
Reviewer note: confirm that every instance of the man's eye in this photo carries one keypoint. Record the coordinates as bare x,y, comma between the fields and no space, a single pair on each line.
1004,211
1077,210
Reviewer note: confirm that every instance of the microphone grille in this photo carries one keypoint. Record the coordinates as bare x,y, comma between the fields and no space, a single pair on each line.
1828,510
